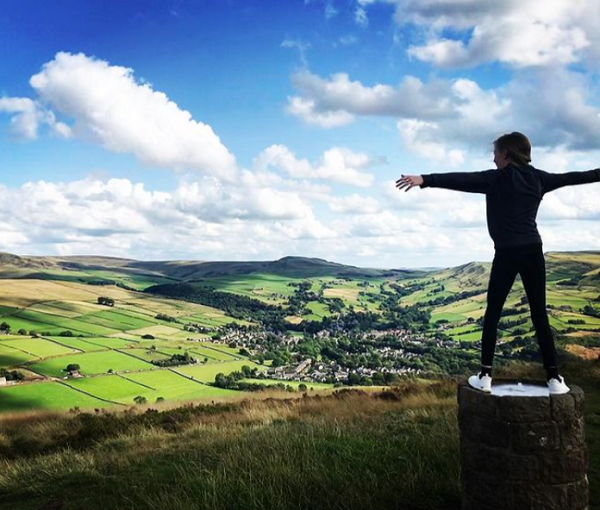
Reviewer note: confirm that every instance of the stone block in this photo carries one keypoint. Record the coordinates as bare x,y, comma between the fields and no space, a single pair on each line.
488,431
563,407
578,495
522,453
572,434
486,490
539,497
536,436
525,409
476,402
560,467
577,394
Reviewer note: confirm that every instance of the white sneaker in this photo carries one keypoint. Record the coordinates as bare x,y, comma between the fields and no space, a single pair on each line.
483,384
558,386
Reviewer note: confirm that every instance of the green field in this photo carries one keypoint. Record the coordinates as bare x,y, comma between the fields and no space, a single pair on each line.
206,373
91,363
45,395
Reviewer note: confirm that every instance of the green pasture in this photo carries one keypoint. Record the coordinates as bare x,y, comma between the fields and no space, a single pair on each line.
451,317
148,354
76,343
212,353
257,285
90,363
168,384
38,321
111,387
45,395
111,342
211,321
38,347
10,356
206,373
293,384
118,320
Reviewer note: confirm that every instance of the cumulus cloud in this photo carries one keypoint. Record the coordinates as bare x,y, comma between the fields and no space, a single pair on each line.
354,204
443,117
27,115
516,32
335,101
108,105
126,217
336,164
422,137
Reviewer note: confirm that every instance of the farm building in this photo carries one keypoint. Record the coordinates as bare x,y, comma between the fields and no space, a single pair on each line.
3,381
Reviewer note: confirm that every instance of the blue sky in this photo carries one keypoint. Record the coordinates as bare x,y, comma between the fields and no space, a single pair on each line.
251,130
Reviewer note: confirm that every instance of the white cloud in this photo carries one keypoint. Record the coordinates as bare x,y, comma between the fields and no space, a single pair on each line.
336,164
516,32
27,116
307,111
110,106
334,101
441,117
360,17
354,204
421,137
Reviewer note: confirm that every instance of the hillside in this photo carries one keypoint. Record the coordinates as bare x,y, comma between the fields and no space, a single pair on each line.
376,450
190,270
360,330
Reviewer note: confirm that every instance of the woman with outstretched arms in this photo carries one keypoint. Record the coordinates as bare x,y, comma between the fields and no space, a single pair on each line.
513,193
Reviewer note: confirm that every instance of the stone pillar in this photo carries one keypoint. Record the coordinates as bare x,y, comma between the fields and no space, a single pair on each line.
522,452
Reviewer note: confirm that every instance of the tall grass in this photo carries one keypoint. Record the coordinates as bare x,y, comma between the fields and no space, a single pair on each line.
392,449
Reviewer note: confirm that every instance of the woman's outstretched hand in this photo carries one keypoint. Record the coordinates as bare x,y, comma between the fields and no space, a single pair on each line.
409,181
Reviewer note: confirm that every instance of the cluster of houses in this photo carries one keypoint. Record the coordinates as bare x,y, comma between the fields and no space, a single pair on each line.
321,372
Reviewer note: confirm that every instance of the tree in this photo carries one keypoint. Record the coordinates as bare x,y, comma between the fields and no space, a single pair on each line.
302,387
72,367
5,327
106,301
140,400
22,331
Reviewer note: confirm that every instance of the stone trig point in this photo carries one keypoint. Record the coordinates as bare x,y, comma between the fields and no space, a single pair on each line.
522,448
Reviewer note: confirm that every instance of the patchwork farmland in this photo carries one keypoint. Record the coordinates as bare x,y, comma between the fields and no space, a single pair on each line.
113,347
142,332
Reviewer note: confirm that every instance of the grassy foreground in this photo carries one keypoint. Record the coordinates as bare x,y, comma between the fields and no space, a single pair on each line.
391,449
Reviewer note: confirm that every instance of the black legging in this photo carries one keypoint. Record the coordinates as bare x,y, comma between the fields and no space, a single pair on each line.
528,261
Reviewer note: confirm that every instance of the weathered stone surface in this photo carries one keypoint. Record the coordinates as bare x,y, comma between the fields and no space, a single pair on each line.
488,431
562,467
522,453
578,495
563,407
577,393
471,504
476,402
525,409
539,497
572,434
541,435
499,462
489,490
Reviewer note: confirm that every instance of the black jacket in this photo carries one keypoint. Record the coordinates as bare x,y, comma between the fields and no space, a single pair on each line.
513,195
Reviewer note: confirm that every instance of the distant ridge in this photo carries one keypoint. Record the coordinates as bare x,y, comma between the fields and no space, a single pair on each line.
286,266
290,266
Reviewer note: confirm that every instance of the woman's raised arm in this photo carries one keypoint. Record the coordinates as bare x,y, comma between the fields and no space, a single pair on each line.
550,181
471,182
